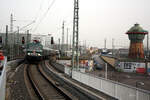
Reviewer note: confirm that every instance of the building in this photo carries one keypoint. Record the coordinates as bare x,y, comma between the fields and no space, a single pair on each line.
135,62
136,36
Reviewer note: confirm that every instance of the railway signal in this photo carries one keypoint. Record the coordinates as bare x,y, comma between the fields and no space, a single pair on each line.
52,40
1,39
23,40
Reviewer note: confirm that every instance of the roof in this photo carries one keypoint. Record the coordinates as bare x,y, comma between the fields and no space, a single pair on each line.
137,29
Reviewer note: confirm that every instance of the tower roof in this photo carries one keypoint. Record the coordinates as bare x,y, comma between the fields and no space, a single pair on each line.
137,29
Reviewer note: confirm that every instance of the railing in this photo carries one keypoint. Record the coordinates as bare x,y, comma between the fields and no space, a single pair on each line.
3,80
112,88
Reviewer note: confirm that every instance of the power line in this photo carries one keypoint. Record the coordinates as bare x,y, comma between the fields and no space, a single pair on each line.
37,14
24,27
41,4
44,15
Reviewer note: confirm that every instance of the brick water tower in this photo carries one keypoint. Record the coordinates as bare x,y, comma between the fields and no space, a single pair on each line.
136,36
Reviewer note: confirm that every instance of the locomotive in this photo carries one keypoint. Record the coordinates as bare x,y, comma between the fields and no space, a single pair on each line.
36,52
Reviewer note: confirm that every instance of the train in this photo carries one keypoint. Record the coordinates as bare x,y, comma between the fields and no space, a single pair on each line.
35,52
97,65
104,51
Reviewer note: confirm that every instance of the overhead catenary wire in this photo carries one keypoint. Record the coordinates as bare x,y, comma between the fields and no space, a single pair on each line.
25,27
44,15
37,14
28,25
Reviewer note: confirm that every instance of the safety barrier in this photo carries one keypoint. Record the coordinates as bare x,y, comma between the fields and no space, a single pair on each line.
3,80
112,88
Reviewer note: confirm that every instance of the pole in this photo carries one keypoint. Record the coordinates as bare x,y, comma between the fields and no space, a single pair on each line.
67,39
11,23
73,49
147,55
106,70
59,44
70,42
27,39
77,33
85,45
112,46
6,40
12,38
105,43
147,45
62,38
18,41
75,45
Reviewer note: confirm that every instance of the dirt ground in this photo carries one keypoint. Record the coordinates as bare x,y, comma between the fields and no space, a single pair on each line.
15,86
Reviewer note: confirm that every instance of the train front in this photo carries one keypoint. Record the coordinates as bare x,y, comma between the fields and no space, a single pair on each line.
34,52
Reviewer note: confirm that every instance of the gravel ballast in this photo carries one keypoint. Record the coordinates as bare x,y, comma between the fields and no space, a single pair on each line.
16,88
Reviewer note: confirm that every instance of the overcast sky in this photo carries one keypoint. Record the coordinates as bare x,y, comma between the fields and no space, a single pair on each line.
99,19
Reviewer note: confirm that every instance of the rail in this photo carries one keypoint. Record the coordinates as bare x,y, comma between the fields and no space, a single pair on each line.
83,91
43,89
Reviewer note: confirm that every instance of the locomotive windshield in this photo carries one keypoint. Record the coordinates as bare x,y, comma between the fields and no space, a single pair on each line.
35,46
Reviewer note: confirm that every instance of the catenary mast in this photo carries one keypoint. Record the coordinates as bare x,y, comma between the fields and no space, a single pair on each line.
75,47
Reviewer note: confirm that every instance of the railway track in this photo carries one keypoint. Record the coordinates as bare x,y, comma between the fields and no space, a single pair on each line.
45,83
75,88
40,87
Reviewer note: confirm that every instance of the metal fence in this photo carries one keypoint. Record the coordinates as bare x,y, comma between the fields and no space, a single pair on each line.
3,81
112,88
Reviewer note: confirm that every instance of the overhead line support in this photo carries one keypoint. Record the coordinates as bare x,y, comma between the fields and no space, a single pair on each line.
75,43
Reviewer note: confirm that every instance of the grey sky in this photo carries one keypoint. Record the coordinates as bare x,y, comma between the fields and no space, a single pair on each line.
99,19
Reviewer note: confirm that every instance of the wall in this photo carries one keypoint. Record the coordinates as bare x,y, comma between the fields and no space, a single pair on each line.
132,66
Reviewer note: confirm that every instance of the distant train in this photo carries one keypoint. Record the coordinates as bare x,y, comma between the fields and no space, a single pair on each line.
104,51
97,65
36,52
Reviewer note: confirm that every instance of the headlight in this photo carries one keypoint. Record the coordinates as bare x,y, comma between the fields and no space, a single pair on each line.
39,54
29,53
